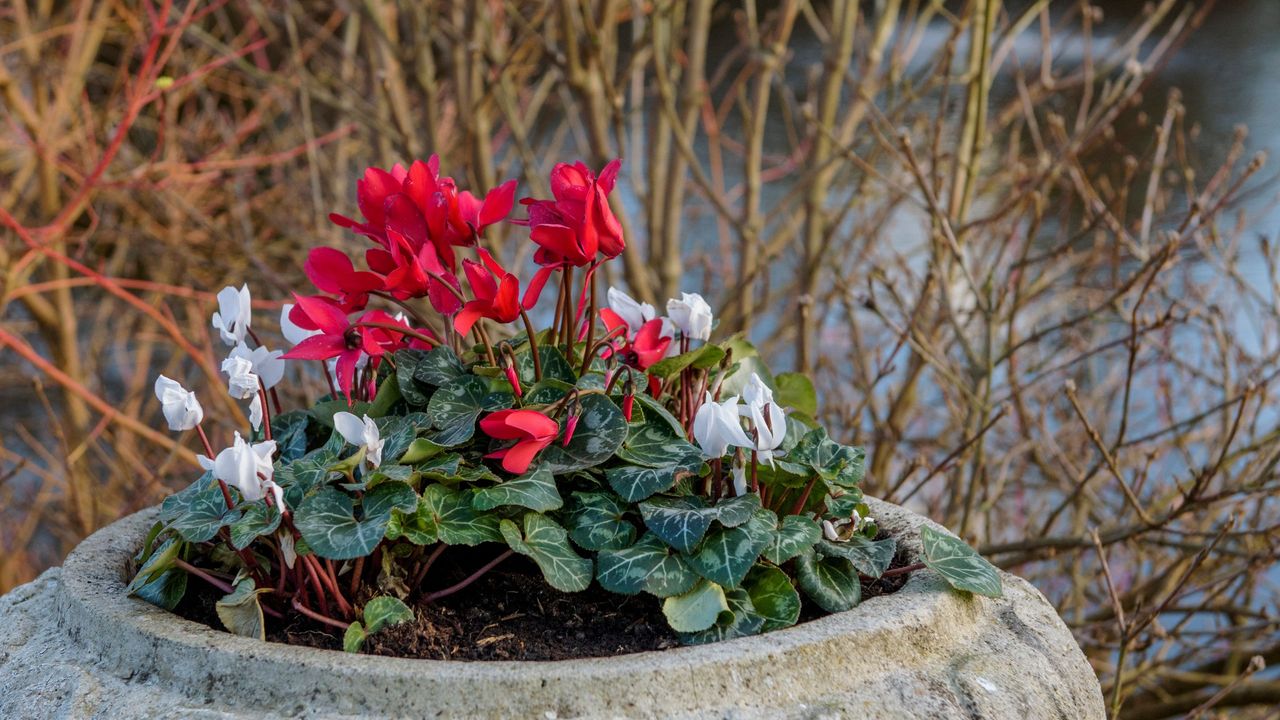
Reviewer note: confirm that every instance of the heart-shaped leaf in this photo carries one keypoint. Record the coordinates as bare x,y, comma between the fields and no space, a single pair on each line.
871,558
437,367
732,512
165,590
626,570
654,445
773,596
635,483
534,490
830,582
596,522
456,521
554,366
600,432
289,430
703,357
198,511
258,519
328,524
547,544
385,611
959,564
697,609
679,521
795,390
393,495
454,409
795,534
672,576
726,555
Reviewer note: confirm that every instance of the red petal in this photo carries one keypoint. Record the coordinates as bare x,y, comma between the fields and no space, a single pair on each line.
481,281
569,182
517,460
533,424
608,174
444,301
372,191
317,347
327,268
420,184
495,426
506,303
497,204
470,313
346,371
560,240
534,291
327,316
404,217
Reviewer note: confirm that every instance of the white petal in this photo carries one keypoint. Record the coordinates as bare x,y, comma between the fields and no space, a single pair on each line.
350,427
255,413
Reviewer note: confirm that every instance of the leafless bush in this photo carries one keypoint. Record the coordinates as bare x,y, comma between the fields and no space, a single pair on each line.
1059,340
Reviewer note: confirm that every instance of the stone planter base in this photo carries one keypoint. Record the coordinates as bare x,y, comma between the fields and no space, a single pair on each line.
72,645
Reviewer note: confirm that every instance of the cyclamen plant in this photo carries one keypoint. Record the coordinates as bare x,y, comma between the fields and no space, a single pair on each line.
615,446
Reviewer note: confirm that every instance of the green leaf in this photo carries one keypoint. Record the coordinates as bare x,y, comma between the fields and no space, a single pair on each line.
385,611
734,511
328,524
534,490
795,534
830,582
701,358
773,597
600,432
353,639
159,561
454,409
626,570
653,408
635,483
871,558
554,366
240,611
653,445
400,432
165,590
679,521
697,609
546,392
393,495
438,367
289,430
672,576
421,449
417,526
839,464
795,390
740,621
547,544
259,519
323,411
726,555
596,522
199,511
959,564
455,520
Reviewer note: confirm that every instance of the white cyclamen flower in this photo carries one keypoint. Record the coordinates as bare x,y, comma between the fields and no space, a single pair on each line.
242,383
632,312
181,408
255,413
290,330
770,425
247,468
267,364
716,427
756,393
232,317
692,315
361,433
829,531
739,480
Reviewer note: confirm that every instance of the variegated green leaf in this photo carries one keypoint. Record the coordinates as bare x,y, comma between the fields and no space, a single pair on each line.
795,534
258,519
627,570
959,564
328,524
534,490
456,521
741,620
871,558
547,544
600,432
680,521
773,596
697,609
726,555
596,522
830,582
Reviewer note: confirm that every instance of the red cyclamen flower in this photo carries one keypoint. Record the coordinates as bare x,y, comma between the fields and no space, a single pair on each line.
341,338
578,223
496,291
645,347
532,430
331,271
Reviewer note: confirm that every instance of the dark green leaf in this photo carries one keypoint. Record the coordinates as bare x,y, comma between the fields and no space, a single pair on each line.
456,521
289,430
258,519
454,409
534,490
165,590
653,445
794,535
380,501
672,576
199,511
328,524
830,582
871,558
439,367
773,597
726,555
734,511
627,570
600,432
596,522
636,483
554,366
741,620
701,358
547,544
679,521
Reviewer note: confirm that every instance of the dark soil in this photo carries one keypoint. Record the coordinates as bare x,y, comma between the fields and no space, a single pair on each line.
509,614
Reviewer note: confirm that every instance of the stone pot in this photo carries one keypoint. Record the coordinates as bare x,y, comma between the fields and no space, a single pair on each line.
73,645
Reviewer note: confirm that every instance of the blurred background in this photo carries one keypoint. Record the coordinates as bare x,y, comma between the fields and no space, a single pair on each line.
1026,248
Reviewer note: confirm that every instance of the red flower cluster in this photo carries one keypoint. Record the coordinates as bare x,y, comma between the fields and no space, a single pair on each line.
417,220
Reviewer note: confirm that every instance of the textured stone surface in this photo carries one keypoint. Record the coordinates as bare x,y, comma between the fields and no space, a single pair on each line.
73,646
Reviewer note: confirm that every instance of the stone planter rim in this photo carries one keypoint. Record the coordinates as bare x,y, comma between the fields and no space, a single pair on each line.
782,666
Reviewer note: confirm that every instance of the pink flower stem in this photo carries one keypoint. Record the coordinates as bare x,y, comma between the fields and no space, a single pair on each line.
266,410
193,570
469,579
902,570
591,329
533,345
297,605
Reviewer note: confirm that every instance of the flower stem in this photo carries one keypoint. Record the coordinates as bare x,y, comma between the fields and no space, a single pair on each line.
470,578
297,605
591,328
902,570
431,560
193,570
533,345
400,329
